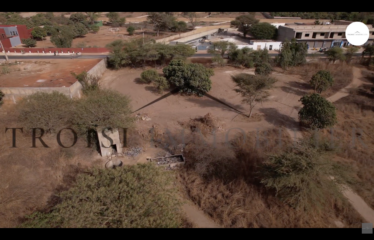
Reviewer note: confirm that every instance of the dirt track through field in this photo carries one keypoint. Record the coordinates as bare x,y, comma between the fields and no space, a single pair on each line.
197,217
356,201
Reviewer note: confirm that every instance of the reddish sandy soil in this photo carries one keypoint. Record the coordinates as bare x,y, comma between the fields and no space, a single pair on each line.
56,73
167,112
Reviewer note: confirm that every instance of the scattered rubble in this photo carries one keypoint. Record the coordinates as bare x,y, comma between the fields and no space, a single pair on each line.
133,152
143,117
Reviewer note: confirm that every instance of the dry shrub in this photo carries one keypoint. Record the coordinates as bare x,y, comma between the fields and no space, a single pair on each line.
353,135
206,124
30,176
228,187
341,72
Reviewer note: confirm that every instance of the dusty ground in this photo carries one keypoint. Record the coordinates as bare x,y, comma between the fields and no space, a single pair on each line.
103,37
51,73
167,112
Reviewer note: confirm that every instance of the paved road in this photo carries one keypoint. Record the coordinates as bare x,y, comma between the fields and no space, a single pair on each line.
197,55
58,57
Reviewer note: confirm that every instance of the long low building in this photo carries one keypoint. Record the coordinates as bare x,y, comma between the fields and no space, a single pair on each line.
262,44
319,36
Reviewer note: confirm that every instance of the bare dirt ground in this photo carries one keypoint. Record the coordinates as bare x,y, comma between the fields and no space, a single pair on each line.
167,112
51,73
103,37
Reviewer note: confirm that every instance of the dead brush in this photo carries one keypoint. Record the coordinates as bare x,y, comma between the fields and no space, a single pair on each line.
354,133
206,124
341,72
228,187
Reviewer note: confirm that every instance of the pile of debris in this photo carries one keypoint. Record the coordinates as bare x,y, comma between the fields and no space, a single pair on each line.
143,117
133,152
171,161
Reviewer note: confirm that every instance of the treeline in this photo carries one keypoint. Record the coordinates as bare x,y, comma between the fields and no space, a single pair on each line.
366,17
61,29
141,52
248,24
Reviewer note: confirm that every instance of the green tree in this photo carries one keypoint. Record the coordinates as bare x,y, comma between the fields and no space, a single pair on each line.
50,30
161,83
369,49
217,58
253,88
317,112
79,30
102,108
38,33
321,81
301,177
263,31
1,97
180,26
335,53
316,22
131,30
94,28
92,16
115,20
263,68
28,42
244,23
113,16
89,83
78,17
192,78
149,75
349,53
161,20
138,196
63,37
182,51
191,16
292,54
49,111
220,47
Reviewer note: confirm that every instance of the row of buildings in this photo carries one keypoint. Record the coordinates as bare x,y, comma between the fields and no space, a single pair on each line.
315,36
12,35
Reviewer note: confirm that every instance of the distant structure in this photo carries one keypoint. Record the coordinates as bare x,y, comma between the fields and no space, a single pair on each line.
262,44
11,35
319,36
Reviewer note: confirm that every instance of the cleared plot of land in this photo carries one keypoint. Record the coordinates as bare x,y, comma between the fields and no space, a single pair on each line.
166,113
103,37
51,73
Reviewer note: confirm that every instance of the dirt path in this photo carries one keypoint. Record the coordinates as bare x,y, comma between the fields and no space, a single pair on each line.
356,201
359,204
357,76
197,217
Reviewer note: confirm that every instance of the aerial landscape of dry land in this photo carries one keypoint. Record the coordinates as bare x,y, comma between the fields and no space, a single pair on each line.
186,120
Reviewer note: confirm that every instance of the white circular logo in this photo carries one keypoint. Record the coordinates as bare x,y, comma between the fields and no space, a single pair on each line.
357,33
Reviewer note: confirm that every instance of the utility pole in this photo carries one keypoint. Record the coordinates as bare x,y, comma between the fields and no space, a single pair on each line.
2,47
143,37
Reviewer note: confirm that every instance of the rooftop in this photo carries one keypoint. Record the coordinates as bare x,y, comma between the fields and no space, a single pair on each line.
321,27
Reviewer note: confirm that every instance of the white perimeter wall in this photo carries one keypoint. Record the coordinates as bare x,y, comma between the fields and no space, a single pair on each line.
276,45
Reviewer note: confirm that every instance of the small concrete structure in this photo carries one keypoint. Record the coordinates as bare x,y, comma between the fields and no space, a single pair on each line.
109,141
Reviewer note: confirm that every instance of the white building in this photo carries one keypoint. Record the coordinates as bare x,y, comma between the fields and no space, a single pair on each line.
262,44
278,24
